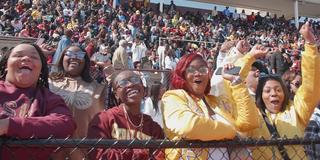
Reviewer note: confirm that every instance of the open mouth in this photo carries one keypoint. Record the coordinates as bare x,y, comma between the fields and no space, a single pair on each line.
132,92
198,81
25,69
275,102
74,63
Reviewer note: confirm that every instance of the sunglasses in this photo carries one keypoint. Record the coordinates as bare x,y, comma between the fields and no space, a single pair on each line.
126,82
201,70
78,55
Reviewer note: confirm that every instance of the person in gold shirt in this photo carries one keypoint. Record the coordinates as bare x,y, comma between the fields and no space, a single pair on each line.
281,117
190,113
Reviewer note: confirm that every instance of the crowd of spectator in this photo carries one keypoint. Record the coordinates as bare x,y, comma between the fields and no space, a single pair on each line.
98,28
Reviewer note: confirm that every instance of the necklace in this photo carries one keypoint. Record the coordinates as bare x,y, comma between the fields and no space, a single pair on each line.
128,118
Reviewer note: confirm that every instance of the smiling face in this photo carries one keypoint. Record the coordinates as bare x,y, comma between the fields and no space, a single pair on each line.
197,77
23,66
273,96
73,61
128,88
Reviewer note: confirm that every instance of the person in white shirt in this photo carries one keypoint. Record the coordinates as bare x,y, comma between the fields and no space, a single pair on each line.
214,11
17,25
235,15
231,56
243,15
161,53
138,50
152,103
67,12
170,62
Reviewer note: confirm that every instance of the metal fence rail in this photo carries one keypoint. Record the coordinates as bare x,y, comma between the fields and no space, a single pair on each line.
165,143
88,146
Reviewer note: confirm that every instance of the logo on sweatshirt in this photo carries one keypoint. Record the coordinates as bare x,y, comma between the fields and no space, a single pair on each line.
9,108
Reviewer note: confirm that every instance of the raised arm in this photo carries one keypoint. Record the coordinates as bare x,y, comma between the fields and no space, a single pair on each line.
308,94
245,112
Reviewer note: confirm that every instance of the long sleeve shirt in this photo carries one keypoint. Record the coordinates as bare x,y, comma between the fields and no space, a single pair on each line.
294,119
33,112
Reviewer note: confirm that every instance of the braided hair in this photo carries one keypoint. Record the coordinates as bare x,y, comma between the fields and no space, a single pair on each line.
43,77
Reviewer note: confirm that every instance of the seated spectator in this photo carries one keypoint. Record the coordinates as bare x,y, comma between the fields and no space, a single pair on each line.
84,97
28,107
190,113
125,121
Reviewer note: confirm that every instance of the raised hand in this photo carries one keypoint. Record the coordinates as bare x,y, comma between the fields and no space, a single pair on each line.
243,46
259,51
307,33
227,76
47,49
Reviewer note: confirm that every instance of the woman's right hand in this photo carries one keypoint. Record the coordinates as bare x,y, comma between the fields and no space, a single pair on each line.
307,33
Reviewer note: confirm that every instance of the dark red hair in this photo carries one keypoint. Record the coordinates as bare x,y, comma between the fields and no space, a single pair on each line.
178,80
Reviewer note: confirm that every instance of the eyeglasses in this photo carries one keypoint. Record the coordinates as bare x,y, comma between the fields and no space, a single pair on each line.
78,55
201,70
125,82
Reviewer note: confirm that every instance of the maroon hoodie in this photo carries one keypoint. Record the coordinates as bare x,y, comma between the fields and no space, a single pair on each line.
47,116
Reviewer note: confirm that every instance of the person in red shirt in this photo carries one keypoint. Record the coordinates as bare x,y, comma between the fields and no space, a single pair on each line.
125,121
20,8
27,107
135,22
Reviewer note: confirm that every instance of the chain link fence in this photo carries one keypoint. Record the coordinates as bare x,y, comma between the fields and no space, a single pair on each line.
157,149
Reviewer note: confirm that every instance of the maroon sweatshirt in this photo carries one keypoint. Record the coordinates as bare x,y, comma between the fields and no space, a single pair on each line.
112,124
47,116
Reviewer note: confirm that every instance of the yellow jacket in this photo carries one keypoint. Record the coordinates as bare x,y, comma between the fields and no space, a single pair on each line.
294,119
187,117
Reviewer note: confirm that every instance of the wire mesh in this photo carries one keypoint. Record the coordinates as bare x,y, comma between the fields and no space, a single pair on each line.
154,149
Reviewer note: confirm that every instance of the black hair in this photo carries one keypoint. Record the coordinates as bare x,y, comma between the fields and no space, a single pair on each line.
135,64
262,82
43,77
154,95
259,65
85,75
112,100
